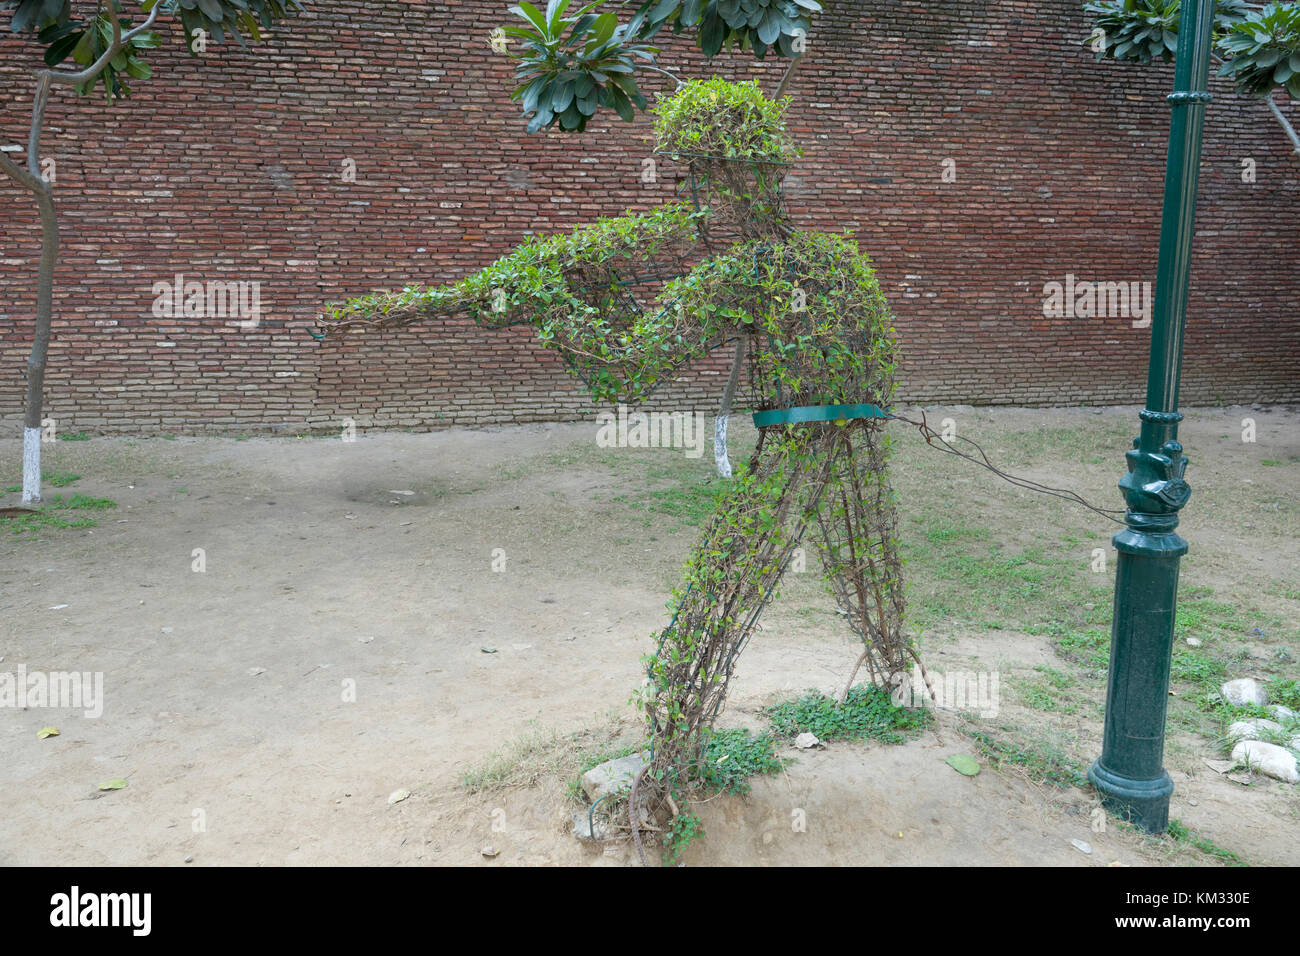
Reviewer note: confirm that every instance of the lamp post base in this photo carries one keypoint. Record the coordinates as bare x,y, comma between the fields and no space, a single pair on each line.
1144,803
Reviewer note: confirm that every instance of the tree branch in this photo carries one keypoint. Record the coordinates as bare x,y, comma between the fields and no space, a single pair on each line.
1286,123
39,100
119,40
20,175
668,73
789,74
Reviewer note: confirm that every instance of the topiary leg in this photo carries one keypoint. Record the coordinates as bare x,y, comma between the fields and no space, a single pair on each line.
858,542
734,571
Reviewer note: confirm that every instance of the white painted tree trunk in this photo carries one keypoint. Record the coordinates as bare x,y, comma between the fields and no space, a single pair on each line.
724,412
31,466
720,446
33,179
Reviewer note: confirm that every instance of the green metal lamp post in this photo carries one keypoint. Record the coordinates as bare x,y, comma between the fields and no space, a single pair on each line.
1130,774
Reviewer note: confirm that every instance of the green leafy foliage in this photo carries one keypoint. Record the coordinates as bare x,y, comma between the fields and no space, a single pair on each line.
723,119
571,65
755,25
34,14
1140,30
1286,693
684,829
868,712
85,41
1263,50
219,18
734,755
1260,46
568,288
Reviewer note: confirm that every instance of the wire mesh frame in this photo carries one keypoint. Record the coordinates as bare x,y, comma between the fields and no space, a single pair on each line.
834,454
697,180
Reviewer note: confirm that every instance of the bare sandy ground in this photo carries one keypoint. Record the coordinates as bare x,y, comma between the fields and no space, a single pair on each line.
346,642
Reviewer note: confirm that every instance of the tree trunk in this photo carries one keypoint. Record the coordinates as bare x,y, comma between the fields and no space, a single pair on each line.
30,177
724,412
789,74
40,347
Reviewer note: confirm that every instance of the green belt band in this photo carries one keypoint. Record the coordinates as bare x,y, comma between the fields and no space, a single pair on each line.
817,413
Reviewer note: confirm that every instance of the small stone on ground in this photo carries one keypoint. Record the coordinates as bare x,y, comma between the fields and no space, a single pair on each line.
1268,759
1243,691
613,776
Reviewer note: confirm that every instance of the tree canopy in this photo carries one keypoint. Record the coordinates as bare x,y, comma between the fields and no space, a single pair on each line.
576,59
1259,46
88,37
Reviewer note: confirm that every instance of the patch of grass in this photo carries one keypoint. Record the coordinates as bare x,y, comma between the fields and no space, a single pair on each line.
868,712
1089,645
945,533
57,479
1182,834
671,485
541,752
80,502
1220,713
53,514
1039,695
1058,679
1193,667
1093,439
1035,696
690,503
1002,584
73,436
1042,760
1286,693
1199,615
957,572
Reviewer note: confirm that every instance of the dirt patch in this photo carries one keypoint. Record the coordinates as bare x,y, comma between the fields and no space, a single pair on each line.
345,640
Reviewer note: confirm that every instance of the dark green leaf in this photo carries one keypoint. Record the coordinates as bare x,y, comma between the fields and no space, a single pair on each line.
60,49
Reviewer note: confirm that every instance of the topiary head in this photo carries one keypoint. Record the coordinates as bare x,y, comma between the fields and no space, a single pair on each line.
734,139
723,120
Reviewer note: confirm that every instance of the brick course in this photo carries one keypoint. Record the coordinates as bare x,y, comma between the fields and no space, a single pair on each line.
230,168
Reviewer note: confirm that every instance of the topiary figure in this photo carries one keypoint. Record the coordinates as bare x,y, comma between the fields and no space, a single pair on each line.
810,316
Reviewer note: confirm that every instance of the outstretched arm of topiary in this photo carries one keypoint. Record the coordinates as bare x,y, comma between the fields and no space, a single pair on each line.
578,292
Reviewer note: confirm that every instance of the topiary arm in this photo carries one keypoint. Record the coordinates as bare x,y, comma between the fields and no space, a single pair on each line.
576,291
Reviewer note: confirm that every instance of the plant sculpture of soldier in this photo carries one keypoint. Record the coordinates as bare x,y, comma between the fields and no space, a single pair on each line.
821,359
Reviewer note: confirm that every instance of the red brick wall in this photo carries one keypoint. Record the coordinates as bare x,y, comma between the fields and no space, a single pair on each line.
229,168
